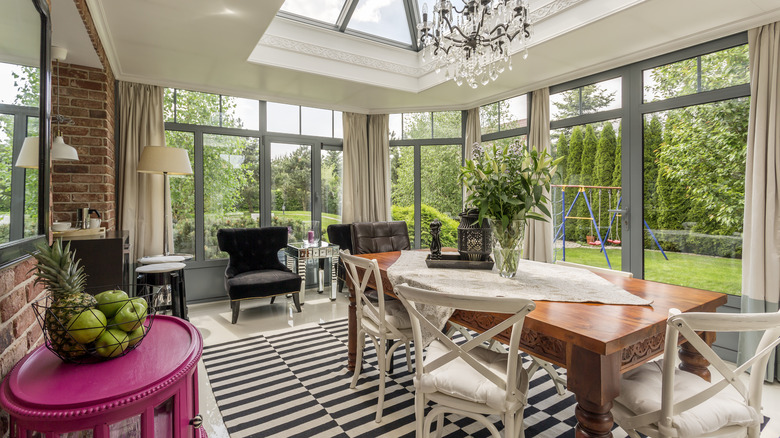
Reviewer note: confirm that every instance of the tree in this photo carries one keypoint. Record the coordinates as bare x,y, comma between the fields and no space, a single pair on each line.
589,146
573,168
562,150
653,138
605,168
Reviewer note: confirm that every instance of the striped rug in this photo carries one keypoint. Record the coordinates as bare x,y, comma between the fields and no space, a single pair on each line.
296,384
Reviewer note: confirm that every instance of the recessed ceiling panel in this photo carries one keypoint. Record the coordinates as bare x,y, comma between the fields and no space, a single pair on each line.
322,10
383,18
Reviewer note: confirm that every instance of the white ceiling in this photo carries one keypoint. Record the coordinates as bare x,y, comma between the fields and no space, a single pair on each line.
235,47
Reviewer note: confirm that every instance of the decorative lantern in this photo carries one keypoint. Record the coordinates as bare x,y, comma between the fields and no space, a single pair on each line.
474,241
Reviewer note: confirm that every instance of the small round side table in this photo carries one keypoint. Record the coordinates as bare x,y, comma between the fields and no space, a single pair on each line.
151,392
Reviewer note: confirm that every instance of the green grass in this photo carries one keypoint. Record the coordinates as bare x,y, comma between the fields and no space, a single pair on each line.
327,218
702,272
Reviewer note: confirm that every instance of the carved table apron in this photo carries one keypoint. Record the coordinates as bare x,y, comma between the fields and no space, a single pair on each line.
596,343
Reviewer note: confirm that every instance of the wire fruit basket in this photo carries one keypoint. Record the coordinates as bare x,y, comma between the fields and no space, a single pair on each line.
89,334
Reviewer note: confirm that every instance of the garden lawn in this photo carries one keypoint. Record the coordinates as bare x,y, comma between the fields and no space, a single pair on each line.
702,272
327,218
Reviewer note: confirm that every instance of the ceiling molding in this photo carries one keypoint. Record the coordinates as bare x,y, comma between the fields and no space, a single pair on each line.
550,9
340,55
99,19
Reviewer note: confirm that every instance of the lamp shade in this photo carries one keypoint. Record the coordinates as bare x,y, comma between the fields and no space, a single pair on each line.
28,156
161,159
62,151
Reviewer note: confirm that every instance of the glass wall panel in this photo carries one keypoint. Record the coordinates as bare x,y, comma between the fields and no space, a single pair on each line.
291,187
19,85
283,118
338,124
441,192
725,68
488,118
6,165
31,187
514,113
231,186
593,98
323,10
447,124
417,126
402,185
332,188
197,108
396,126
694,179
240,113
587,187
315,121
183,196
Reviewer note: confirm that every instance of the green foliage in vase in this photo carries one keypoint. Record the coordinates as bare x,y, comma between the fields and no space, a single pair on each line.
506,183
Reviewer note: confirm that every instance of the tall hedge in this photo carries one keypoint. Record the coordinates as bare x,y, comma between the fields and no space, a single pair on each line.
653,138
605,168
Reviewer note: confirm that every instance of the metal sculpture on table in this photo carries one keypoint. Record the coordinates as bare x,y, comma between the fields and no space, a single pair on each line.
435,240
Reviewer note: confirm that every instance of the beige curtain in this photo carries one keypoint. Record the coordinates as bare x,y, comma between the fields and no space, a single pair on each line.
379,167
366,168
761,238
538,243
473,135
141,124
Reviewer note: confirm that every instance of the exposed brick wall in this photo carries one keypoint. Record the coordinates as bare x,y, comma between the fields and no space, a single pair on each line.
86,95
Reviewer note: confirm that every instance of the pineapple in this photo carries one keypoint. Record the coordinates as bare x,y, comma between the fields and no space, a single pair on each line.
61,274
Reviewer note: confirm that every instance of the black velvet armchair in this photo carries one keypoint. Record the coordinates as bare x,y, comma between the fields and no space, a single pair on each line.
254,270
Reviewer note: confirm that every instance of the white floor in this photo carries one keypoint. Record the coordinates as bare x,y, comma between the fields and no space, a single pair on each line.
258,316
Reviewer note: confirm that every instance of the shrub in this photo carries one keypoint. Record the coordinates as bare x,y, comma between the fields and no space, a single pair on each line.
449,227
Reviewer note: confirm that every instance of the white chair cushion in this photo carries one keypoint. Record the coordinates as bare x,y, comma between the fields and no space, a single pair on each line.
640,391
459,379
395,315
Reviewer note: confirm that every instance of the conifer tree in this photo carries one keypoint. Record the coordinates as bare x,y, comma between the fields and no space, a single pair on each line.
605,167
617,181
573,167
589,145
562,150
653,137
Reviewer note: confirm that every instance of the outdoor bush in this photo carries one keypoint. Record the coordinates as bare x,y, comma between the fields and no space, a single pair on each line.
697,243
449,227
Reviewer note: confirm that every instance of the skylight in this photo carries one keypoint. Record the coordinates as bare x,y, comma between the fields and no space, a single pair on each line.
386,21
384,18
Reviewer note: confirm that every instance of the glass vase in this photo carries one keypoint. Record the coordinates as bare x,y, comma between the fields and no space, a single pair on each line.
507,246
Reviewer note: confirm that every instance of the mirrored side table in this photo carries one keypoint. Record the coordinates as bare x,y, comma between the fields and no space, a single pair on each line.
299,252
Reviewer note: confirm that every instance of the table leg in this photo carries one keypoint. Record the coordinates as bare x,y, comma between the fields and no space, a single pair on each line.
595,381
352,332
334,277
693,362
301,264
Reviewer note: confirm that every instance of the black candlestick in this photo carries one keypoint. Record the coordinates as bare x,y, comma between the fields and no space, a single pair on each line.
435,240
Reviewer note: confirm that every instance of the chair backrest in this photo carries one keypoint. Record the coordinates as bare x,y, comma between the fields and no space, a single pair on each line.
341,235
359,272
373,237
415,299
595,269
687,325
253,249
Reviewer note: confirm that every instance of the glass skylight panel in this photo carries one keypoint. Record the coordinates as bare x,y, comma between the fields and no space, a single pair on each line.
383,18
322,10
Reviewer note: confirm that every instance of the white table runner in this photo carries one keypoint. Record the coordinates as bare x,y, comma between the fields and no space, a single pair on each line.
535,281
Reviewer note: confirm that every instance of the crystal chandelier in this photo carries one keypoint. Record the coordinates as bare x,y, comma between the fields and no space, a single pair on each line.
472,45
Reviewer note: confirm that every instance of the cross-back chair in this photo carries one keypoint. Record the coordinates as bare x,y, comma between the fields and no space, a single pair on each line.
660,400
381,320
469,379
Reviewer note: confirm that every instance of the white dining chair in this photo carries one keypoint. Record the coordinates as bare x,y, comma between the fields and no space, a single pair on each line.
660,400
468,379
379,319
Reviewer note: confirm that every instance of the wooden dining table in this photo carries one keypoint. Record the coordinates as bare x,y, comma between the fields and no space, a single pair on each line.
596,343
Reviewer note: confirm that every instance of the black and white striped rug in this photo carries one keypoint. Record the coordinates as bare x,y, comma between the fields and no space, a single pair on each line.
296,384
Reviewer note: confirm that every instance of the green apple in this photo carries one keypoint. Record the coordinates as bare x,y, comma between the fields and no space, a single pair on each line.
131,316
136,335
87,325
110,301
111,343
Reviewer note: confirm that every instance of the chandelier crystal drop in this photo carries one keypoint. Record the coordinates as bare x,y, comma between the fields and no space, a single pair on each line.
473,45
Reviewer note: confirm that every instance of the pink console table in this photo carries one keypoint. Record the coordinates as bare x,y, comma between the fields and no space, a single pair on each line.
150,392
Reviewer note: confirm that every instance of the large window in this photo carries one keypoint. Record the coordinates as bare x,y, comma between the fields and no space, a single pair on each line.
425,158
694,172
245,177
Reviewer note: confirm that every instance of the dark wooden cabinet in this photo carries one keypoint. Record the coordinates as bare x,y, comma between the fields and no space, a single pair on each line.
106,259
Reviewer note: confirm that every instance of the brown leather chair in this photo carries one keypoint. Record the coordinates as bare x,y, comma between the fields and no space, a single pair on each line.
371,237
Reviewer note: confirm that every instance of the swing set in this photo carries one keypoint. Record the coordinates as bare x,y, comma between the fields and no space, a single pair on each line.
565,215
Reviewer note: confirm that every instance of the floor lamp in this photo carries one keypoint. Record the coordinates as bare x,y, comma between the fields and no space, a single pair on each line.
166,161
